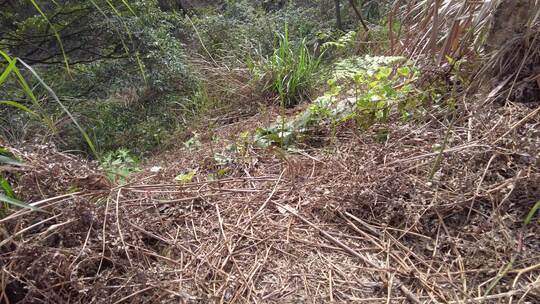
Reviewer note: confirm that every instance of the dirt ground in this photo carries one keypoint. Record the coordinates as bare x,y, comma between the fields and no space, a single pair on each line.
352,220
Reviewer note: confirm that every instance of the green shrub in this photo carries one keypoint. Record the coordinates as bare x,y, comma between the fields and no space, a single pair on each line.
366,90
242,29
119,164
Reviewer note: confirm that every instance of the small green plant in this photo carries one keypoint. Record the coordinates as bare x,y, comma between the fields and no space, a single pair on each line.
119,164
366,90
185,178
7,195
290,72
194,142
343,45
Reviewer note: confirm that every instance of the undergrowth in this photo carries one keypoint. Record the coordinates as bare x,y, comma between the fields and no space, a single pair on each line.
290,72
7,195
366,90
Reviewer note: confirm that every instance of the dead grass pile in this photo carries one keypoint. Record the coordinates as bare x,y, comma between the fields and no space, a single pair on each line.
48,172
513,71
400,221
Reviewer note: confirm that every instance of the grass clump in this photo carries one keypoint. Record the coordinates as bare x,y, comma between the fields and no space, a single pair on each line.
290,72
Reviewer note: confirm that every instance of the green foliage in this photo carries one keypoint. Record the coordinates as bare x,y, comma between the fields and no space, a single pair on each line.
7,195
185,177
119,164
131,82
290,72
366,90
55,32
193,142
21,84
39,113
242,29
342,42
121,47
532,212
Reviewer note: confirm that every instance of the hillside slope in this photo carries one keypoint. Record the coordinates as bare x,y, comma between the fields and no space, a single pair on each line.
350,218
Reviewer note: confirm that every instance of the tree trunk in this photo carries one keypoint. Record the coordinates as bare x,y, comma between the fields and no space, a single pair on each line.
510,17
513,42
338,15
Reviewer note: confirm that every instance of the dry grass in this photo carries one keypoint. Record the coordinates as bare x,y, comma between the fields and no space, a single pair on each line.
361,221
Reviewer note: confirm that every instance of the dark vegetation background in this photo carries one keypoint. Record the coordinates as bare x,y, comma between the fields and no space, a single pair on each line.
142,74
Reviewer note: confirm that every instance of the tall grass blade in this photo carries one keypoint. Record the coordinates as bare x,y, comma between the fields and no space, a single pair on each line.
19,106
15,202
55,32
129,7
7,71
26,88
10,161
65,109
4,184
117,12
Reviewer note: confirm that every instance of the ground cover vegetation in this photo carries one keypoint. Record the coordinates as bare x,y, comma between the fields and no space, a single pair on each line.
269,151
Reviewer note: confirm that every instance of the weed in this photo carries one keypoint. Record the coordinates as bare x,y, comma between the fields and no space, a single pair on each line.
532,212
7,195
185,177
119,164
366,90
290,72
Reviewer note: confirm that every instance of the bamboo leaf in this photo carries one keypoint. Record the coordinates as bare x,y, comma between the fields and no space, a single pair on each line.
23,83
18,106
129,7
7,71
65,109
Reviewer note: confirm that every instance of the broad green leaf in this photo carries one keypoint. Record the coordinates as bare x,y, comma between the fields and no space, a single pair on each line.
185,178
383,73
404,71
4,184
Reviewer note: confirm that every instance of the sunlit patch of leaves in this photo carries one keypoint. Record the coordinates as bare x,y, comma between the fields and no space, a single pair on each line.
366,90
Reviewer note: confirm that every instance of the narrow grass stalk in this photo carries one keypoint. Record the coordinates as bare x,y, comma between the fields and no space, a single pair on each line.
124,45
15,202
65,109
12,68
56,34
